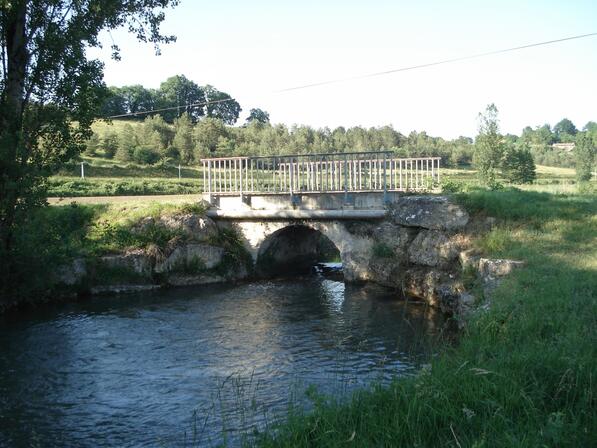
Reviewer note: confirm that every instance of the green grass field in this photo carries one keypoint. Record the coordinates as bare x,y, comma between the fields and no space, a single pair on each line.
105,177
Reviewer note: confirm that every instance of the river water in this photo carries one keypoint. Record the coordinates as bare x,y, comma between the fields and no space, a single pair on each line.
198,366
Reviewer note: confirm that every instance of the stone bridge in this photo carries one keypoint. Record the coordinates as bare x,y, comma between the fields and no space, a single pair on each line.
380,237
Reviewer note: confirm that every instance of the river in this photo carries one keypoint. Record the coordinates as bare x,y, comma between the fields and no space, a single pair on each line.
198,366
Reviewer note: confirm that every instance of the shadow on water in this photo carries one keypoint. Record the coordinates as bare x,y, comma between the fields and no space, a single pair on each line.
219,360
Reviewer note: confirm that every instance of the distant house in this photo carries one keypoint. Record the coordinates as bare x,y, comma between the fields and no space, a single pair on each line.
568,147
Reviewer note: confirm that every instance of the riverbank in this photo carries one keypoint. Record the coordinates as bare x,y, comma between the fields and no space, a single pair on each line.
70,251
524,371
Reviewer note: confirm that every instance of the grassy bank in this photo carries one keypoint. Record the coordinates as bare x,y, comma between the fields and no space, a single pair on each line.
77,187
105,177
54,236
523,373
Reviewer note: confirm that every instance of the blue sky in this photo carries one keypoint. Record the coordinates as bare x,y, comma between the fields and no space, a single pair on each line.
252,49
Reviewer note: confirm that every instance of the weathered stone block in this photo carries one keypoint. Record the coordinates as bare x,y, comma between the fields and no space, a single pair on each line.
136,261
469,259
72,273
429,212
491,269
395,237
199,228
423,284
432,248
191,256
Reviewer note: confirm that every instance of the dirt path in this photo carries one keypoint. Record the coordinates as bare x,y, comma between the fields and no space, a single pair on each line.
169,198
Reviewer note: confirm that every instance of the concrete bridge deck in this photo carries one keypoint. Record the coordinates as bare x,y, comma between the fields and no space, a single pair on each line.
357,205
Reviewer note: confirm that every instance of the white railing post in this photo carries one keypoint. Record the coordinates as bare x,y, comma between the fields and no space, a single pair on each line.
209,178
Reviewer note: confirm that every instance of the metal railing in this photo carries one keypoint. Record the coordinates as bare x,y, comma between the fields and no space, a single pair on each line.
319,173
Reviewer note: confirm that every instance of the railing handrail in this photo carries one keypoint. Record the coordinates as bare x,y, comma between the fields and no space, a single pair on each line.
320,172
319,154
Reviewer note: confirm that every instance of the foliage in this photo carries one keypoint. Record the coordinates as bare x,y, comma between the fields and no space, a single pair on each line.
518,165
50,93
584,155
236,255
452,186
182,93
258,115
176,96
564,127
220,105
489,146
183,139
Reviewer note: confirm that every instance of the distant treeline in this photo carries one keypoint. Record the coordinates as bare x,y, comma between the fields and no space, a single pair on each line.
154,140
184,132
176,95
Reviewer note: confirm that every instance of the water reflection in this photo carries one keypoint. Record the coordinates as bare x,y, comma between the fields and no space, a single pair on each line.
131,370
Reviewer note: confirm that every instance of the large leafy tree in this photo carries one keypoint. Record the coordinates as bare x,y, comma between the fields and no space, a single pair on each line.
183,94
564,128
258,115
221,105
50,91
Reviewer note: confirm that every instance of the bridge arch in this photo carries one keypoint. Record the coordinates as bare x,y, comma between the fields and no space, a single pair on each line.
354,245
294,249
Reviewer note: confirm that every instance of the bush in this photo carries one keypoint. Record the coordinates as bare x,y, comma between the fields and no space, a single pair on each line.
518,166
145,155
452,186
584,155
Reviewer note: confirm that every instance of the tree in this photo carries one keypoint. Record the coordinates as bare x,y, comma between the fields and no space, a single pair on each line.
183,138
584,156
127,142
564,127
518,166
138,99
489,146
46,85
221,105
109,144
207,133
258,115
92,145
115,103
180,92
156,133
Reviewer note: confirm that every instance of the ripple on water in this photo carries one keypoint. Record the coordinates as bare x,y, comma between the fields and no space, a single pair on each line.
131,370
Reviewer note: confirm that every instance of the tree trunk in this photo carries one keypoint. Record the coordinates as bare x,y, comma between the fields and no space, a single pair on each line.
11,125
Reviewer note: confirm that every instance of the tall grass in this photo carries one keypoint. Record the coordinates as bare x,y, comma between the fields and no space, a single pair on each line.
523,373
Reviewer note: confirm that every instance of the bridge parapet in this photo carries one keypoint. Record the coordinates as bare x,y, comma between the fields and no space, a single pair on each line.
305,174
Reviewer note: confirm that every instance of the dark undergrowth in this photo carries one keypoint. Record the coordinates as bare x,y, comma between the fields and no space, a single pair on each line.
55,236
524,372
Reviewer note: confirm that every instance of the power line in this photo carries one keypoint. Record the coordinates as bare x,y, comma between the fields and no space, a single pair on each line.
164,109
430,64
370,75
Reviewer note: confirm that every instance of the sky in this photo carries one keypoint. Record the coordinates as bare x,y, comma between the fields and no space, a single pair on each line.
251,50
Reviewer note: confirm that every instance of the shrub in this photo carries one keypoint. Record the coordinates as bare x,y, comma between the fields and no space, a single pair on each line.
584,155
518,165
145,155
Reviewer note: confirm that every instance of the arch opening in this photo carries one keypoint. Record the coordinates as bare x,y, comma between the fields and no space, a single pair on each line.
297,250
